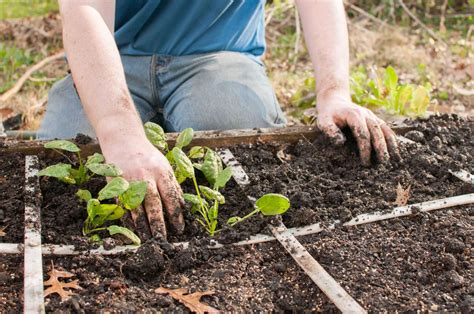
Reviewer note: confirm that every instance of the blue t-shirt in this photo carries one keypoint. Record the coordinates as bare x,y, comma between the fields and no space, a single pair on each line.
184,27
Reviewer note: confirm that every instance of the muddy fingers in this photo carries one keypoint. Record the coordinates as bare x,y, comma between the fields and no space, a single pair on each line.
332,131
140,222
173,202
378,140
391,140
362,135
154,210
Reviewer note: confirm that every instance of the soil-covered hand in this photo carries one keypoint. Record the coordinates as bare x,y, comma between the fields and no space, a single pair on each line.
142,161
369,130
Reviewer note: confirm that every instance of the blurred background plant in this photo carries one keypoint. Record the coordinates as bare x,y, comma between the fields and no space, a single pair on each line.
408,57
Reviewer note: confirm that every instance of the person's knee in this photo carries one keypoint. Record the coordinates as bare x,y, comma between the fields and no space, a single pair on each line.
226,105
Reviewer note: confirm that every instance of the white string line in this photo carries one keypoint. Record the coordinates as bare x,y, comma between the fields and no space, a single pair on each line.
33,277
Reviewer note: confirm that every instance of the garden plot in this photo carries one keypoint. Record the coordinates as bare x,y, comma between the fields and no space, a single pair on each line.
263,277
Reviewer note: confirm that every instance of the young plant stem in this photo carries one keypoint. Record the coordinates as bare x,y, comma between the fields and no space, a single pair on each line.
203,211
256,210
64,155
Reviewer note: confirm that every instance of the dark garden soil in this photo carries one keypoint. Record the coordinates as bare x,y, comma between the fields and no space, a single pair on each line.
415,263
12,180
447,135
11,284
325,182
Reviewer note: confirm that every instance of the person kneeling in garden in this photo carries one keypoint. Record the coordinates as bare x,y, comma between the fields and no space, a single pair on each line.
191,63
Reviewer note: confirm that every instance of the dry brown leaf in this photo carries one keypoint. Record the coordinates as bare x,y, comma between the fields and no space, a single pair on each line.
402,195
2,232
58,286
191,301
283,156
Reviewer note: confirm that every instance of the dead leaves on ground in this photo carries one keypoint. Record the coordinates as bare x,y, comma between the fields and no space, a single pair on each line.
402,195
191,301
58,287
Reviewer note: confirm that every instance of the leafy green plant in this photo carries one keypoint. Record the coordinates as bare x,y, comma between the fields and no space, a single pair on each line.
388,93
205,203
373,91
67,174
269,205
129,196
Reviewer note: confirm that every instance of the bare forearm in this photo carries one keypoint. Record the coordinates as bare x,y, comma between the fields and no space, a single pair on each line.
98,72
325,29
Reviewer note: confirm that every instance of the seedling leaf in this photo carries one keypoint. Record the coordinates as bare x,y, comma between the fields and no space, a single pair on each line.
183,163
223,177
211,166
156,135
126,232
134,195
191,198
59,287
273,204
58,171
196,152
233,220
95,159
93,206
106,170
211,194
63,145
191,301
114,188
184,138
84,195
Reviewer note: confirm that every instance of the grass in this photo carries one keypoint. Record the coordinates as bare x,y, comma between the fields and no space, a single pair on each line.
15,9
12,59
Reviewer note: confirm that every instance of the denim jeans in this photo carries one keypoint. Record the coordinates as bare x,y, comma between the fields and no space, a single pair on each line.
215,91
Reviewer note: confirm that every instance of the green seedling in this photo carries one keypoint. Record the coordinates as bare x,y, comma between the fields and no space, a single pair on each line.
129,196
269,205
206,201
67,174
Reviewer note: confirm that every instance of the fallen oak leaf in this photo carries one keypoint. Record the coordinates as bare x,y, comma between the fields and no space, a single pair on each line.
402,195
58,286
191,301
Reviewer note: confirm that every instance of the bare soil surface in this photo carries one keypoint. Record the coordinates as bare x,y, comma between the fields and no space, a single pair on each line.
326,183
416,263
12,208
11,284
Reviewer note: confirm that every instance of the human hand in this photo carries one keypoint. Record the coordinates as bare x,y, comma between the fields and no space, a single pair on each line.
140,160
335,112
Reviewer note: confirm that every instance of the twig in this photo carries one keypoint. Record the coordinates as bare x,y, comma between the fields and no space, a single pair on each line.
19,84
419,22
442,27
298,34
369,16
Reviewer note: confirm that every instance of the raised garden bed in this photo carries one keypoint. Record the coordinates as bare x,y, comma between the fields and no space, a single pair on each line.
420,262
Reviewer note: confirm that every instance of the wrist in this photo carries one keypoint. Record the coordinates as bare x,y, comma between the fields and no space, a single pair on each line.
333,94
122,133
